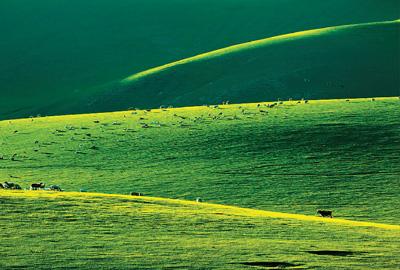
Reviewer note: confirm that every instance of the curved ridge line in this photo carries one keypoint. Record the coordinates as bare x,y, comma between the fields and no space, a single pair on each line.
251,45
240,211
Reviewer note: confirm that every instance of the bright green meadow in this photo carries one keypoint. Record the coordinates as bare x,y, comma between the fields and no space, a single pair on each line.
200,134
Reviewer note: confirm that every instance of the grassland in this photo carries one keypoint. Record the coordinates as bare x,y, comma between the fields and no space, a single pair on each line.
335,62
54,52
254,45
261,171
292,158
46,230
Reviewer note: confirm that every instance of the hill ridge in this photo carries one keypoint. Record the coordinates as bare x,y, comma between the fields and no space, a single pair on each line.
241,211
251,44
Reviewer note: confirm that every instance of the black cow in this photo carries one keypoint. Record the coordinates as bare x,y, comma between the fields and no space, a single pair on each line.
325,213
36,186
136,194
11,185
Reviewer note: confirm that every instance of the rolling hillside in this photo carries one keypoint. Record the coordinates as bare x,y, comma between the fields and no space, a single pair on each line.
335,62
292,158
86,231
200,134
53,53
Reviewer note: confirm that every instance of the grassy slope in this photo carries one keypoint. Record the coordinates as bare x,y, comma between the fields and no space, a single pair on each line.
83,231
335,62
297,158
52,52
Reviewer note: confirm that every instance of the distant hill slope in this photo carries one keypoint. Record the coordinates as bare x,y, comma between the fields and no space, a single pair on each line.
292,158
336,62
52,52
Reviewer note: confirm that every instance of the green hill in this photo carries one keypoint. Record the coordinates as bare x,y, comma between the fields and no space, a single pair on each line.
292,158
283,162
334,62
52,53
46,230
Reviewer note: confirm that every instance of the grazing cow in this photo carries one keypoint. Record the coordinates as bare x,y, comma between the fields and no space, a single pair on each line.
136,194
36,186
55,188
1,186
8,185
11,185
198,199
325,213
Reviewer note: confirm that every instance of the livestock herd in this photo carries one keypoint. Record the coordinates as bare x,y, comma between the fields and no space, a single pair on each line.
42,186
34,186
243,110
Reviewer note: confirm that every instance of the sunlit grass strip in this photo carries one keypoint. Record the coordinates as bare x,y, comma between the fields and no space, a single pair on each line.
239,211
191,109
253,45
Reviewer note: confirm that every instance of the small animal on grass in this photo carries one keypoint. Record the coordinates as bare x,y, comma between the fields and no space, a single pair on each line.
11,185
1,186
325,213
136,194
55,188
198,199
36,186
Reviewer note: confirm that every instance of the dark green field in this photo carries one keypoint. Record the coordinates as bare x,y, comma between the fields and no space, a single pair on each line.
54,52
340,62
